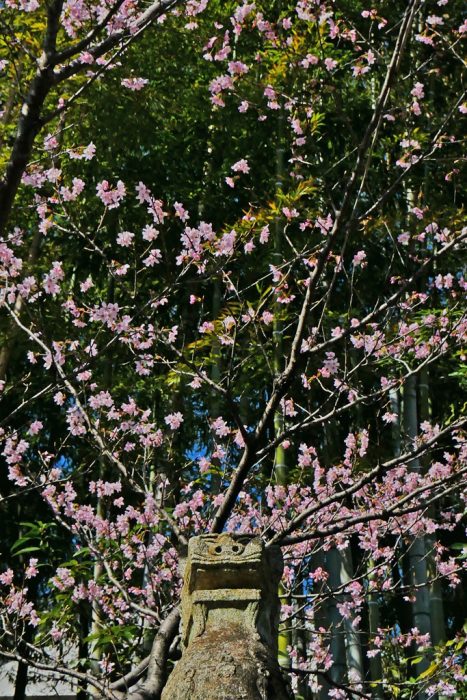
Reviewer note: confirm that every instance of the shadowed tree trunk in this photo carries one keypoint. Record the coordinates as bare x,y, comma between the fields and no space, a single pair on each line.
353,647
280,464
417,551
374,623
338,670
21,679
438,631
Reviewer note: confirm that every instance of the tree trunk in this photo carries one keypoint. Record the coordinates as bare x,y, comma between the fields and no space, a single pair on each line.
417,552
355,670
438,631
280,465
335,621
21,680
374,622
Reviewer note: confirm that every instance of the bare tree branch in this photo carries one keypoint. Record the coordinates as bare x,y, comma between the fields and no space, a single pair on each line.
152,688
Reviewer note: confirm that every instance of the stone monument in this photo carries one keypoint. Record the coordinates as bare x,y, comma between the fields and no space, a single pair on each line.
230,616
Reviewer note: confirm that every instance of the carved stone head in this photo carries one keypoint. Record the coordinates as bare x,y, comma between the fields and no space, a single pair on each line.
230,615
231,579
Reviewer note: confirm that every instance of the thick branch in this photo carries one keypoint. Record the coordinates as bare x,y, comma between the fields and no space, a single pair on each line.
28,127
157,668
54,10
132,677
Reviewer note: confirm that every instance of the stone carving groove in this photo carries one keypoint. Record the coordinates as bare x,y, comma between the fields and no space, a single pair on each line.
230,615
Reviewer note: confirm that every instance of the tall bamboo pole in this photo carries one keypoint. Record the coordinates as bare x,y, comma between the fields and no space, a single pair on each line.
417,550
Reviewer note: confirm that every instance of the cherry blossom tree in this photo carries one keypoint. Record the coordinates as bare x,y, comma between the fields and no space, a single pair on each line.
270,344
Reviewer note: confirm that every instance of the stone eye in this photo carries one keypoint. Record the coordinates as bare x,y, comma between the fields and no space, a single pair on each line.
218,549
235,548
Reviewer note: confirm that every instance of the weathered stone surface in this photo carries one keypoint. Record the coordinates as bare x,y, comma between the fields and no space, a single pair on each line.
230,614
226,664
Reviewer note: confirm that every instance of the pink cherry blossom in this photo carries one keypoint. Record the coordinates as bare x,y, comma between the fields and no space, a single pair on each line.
418,91
35,427
309,60
153,258
134,84
181,212
32,570
330,64
174,420
204,465
125,238
241,166
6,578
237,68
111,197
83,153
150,403
359,259
220,427
264,235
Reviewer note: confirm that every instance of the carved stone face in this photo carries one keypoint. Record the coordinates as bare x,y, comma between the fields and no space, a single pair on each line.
213,549
224,561
230,612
